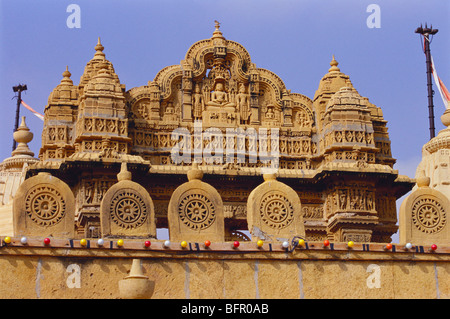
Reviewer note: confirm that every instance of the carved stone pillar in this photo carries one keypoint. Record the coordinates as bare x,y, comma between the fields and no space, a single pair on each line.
154,101
187,94
254,97
351,212
287,109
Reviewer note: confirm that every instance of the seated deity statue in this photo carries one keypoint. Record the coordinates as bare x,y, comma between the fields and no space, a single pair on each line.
169,108
270,115
219,97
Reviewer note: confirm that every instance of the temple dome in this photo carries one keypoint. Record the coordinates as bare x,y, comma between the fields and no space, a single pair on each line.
333,80
346,97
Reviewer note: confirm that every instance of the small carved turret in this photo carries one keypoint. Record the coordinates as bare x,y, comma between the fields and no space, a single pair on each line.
23,136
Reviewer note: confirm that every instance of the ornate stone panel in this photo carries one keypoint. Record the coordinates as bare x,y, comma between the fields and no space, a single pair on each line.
127,210
274,212
196,211
44,206
424,216
428,215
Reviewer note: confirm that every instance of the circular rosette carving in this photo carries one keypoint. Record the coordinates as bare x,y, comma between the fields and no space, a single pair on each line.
196,210
276,210
45,205
428,215
128,209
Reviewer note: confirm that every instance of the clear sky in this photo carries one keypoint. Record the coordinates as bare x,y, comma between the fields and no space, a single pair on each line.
295,39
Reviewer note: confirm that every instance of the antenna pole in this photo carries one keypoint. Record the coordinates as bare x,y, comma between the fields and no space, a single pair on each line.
19,88
426,32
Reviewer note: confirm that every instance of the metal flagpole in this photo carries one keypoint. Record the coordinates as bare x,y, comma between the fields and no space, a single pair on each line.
426,32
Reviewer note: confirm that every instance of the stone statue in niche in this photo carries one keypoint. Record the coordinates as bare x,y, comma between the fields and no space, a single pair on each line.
140,110
342,199
198,102
170,109
170,114
243,104
270,115
220,98
301,118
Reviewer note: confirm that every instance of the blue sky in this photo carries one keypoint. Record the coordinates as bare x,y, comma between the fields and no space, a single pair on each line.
294,39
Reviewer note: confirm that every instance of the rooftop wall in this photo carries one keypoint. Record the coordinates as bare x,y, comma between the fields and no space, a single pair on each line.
65,269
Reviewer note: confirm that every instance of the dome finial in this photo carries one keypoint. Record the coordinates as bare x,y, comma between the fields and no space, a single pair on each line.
217,33
99,49
66,76
124,174
334,65
99,46
445,118
195,172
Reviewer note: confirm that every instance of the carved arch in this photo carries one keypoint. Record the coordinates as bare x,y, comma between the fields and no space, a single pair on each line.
243,59
138,93
304,103
165,78
274,82
196,57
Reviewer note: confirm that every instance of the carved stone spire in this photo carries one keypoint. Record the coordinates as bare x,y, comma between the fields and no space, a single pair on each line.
218,38
64,93
94,65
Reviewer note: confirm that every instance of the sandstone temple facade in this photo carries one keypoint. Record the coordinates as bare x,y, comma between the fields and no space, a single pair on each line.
265,193
333,151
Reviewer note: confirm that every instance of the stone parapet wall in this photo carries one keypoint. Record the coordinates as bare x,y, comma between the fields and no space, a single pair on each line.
64,269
